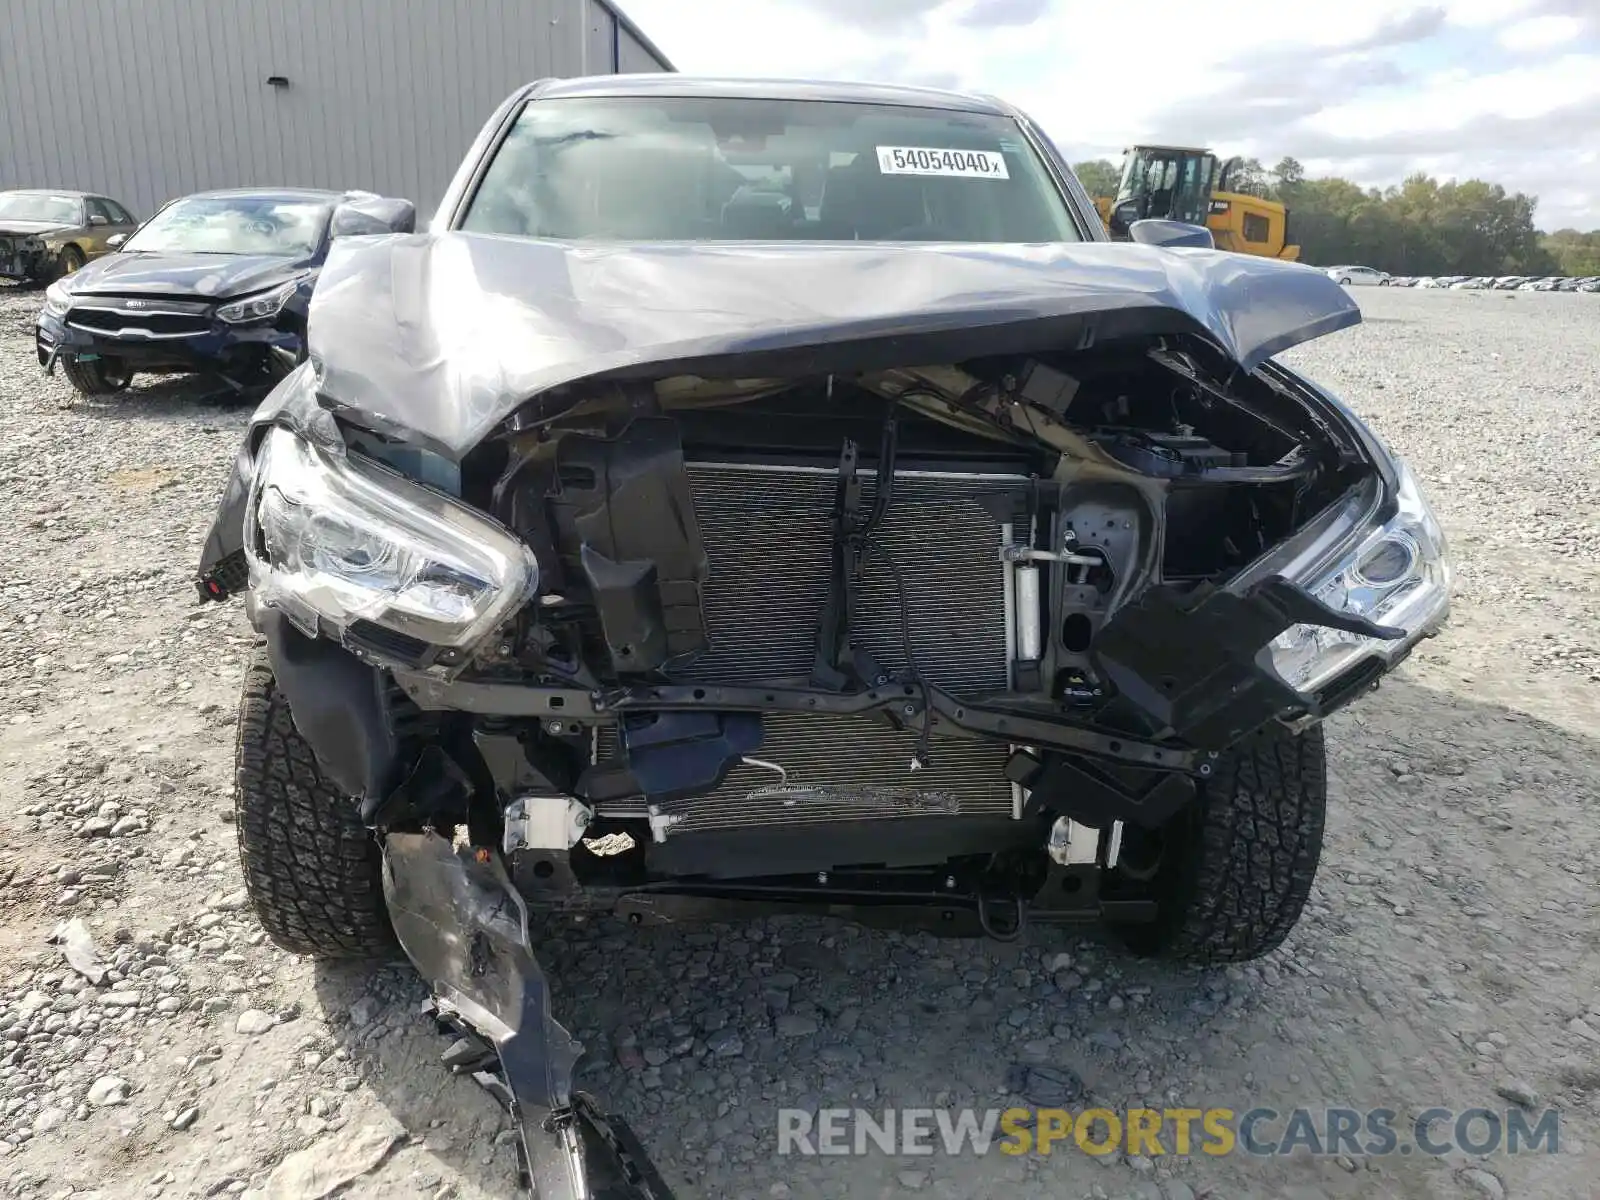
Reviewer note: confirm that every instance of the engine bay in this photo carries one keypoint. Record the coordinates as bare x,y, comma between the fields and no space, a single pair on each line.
1112,471
989,590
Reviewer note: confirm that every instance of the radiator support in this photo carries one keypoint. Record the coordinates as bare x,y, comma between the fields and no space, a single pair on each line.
935,581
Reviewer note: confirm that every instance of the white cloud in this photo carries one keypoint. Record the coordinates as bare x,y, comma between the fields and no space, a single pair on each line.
1500,89
1520,94
1541,33
1485,13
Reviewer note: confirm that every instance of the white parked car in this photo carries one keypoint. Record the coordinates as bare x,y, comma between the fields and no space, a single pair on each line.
1359,276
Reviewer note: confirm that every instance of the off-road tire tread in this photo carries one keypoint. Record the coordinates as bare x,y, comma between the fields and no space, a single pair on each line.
1250,854
312,870
87,377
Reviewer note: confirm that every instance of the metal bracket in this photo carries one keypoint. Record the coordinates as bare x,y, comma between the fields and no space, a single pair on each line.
545,823
1015,554
1072,842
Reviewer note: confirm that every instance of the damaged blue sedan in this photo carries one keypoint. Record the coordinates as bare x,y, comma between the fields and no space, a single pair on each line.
215,284
754,497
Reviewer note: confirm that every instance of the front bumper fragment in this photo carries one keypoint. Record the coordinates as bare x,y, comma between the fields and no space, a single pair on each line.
463,924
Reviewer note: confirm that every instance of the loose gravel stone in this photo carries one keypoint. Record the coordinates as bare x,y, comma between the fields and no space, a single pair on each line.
1518,1093
1482,1183
253,1021
108,1090
793,1025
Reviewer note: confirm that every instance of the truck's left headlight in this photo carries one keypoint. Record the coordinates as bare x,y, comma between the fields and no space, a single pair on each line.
1397,574
343,539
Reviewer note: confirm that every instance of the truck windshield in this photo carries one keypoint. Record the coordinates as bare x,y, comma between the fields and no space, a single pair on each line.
710,169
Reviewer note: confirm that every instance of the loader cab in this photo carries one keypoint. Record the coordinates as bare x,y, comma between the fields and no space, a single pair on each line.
1171,183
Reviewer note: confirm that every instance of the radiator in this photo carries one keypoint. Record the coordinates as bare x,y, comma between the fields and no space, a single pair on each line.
768,538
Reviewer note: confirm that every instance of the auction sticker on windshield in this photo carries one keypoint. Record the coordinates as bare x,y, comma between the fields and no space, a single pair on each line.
925,160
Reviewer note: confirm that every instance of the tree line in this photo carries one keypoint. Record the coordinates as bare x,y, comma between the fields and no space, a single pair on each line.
1421,227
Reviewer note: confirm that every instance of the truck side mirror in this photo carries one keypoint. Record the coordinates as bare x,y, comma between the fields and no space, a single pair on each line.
373,215
1123,216
1171,234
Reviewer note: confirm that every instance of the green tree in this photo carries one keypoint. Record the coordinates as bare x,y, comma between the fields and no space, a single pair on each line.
1249,177
1287,176
1421,227
1576,254
1099,176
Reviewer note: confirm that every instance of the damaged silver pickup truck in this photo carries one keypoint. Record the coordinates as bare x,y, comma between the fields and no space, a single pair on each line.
767,497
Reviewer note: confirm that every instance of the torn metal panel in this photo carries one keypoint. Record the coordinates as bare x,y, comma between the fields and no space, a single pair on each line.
462,923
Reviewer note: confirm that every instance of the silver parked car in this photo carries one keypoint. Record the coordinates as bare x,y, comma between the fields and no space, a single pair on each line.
1359,276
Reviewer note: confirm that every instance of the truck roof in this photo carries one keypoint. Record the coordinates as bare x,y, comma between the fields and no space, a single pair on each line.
767,89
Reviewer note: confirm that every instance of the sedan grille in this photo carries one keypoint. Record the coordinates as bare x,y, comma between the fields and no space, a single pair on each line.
143,319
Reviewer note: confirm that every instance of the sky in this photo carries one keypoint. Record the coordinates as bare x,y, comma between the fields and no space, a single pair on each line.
1373,90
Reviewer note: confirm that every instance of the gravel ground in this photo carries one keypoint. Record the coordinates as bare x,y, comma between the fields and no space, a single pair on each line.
1451,952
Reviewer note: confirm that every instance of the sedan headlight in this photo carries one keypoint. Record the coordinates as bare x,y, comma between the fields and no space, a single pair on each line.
57,300
345,540
260,307
1399,574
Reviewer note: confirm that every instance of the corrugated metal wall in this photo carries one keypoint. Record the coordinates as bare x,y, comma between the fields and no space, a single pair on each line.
145,100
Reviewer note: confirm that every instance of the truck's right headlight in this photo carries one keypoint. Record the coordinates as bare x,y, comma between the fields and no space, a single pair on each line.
343,539
1397,573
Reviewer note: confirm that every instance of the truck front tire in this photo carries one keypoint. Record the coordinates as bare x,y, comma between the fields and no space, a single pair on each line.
313,871
1235,867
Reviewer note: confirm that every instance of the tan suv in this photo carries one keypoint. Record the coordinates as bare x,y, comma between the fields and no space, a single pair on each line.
46,234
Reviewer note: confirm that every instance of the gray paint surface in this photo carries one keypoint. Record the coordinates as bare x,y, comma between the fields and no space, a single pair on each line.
166,97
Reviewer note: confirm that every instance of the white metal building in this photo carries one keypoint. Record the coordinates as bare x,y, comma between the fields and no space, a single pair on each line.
144,100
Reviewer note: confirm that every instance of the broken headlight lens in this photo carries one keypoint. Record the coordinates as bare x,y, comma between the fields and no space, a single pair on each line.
1398,574
344,540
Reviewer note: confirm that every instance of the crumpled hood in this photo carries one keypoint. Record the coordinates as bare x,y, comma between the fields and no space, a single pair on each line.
208,276
10,227
438,337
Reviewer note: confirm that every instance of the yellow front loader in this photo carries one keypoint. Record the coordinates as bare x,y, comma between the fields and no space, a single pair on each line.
1184,183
